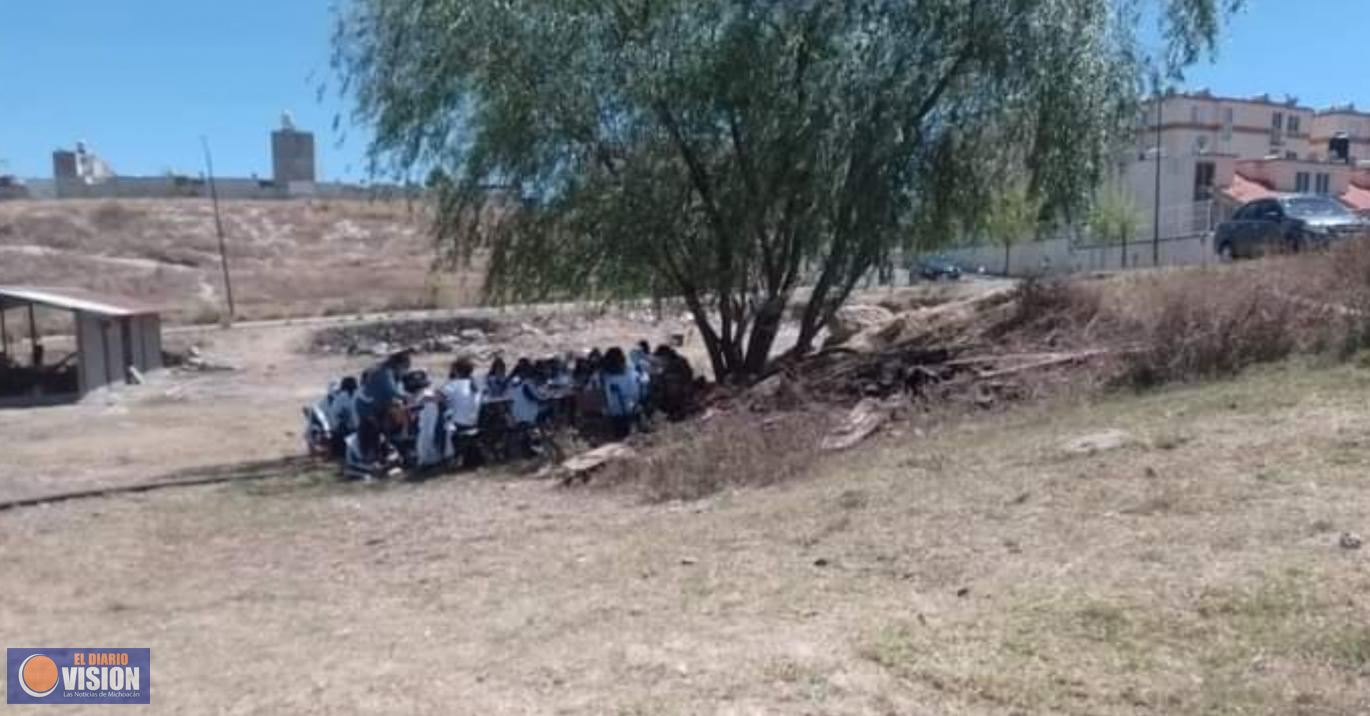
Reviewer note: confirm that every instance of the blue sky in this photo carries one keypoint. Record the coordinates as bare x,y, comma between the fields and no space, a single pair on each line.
142,80
1312,49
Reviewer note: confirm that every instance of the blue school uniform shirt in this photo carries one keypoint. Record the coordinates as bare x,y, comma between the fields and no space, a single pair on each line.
622,393
380,391
526,404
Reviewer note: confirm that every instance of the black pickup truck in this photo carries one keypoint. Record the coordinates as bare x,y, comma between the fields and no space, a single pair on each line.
1285,225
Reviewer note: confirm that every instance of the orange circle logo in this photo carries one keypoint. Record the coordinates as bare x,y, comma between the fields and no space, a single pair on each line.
38,675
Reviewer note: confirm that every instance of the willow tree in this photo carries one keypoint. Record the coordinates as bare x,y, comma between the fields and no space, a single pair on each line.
728,152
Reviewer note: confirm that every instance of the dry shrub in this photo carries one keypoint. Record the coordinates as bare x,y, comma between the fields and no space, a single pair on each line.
696,459
204,314
1206,325
114,216
1345,293
1052,306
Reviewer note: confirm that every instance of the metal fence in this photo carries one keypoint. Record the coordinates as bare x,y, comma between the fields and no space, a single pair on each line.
1184,240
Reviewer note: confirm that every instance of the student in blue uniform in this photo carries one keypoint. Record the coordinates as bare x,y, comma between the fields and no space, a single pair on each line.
380,390
526,405
622,393
342,414
497,380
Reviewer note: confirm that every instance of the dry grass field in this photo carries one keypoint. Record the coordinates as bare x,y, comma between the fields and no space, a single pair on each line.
981,567
298,258
1205,556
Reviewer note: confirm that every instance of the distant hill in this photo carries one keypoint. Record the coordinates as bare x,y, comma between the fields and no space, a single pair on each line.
287,258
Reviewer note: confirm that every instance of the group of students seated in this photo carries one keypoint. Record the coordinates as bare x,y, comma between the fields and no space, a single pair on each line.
395,417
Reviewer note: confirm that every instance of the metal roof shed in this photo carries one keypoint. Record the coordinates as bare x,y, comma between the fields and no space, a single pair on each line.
112,335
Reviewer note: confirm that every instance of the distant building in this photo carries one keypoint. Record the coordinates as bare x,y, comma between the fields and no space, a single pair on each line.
81,166
292,156
80,174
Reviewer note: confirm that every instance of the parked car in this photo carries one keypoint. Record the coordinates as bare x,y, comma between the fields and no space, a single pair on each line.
1284,225
937,268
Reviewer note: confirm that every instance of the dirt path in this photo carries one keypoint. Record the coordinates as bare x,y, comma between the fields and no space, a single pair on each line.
146,264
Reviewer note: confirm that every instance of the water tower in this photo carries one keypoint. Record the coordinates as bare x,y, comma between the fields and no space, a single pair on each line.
292,154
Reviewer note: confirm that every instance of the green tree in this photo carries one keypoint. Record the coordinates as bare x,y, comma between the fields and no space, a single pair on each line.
730,151
1114,218
1013,215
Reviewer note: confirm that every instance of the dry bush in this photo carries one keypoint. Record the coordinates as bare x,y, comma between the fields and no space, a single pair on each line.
114,216
1343,290
48,227
1209,324
204,314
1203,323
693,460
1055,309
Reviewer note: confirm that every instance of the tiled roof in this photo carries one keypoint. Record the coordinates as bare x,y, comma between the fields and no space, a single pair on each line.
1243,190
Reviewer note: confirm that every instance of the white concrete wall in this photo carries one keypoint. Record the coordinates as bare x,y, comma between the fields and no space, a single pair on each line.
1058,256
229,189
1181,214
167,188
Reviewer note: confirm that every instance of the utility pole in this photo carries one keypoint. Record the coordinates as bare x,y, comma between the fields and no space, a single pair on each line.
1156,212
219,227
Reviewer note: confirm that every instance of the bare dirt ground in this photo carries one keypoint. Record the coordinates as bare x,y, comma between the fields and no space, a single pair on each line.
985,567
182,420
1203,557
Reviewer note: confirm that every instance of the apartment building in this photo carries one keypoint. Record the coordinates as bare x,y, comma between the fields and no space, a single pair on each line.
1216,153
1204,123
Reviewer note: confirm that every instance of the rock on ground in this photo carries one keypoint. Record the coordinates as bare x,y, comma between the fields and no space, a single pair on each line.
1103,441
867,417
582,467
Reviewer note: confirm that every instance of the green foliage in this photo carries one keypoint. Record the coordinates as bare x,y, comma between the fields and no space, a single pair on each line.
728,151
1114,218
1012,215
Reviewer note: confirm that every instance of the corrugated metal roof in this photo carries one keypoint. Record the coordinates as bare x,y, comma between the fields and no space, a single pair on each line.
73,299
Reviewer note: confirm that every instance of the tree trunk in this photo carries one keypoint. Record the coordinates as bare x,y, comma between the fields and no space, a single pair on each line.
1007,248
764,331
712,344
